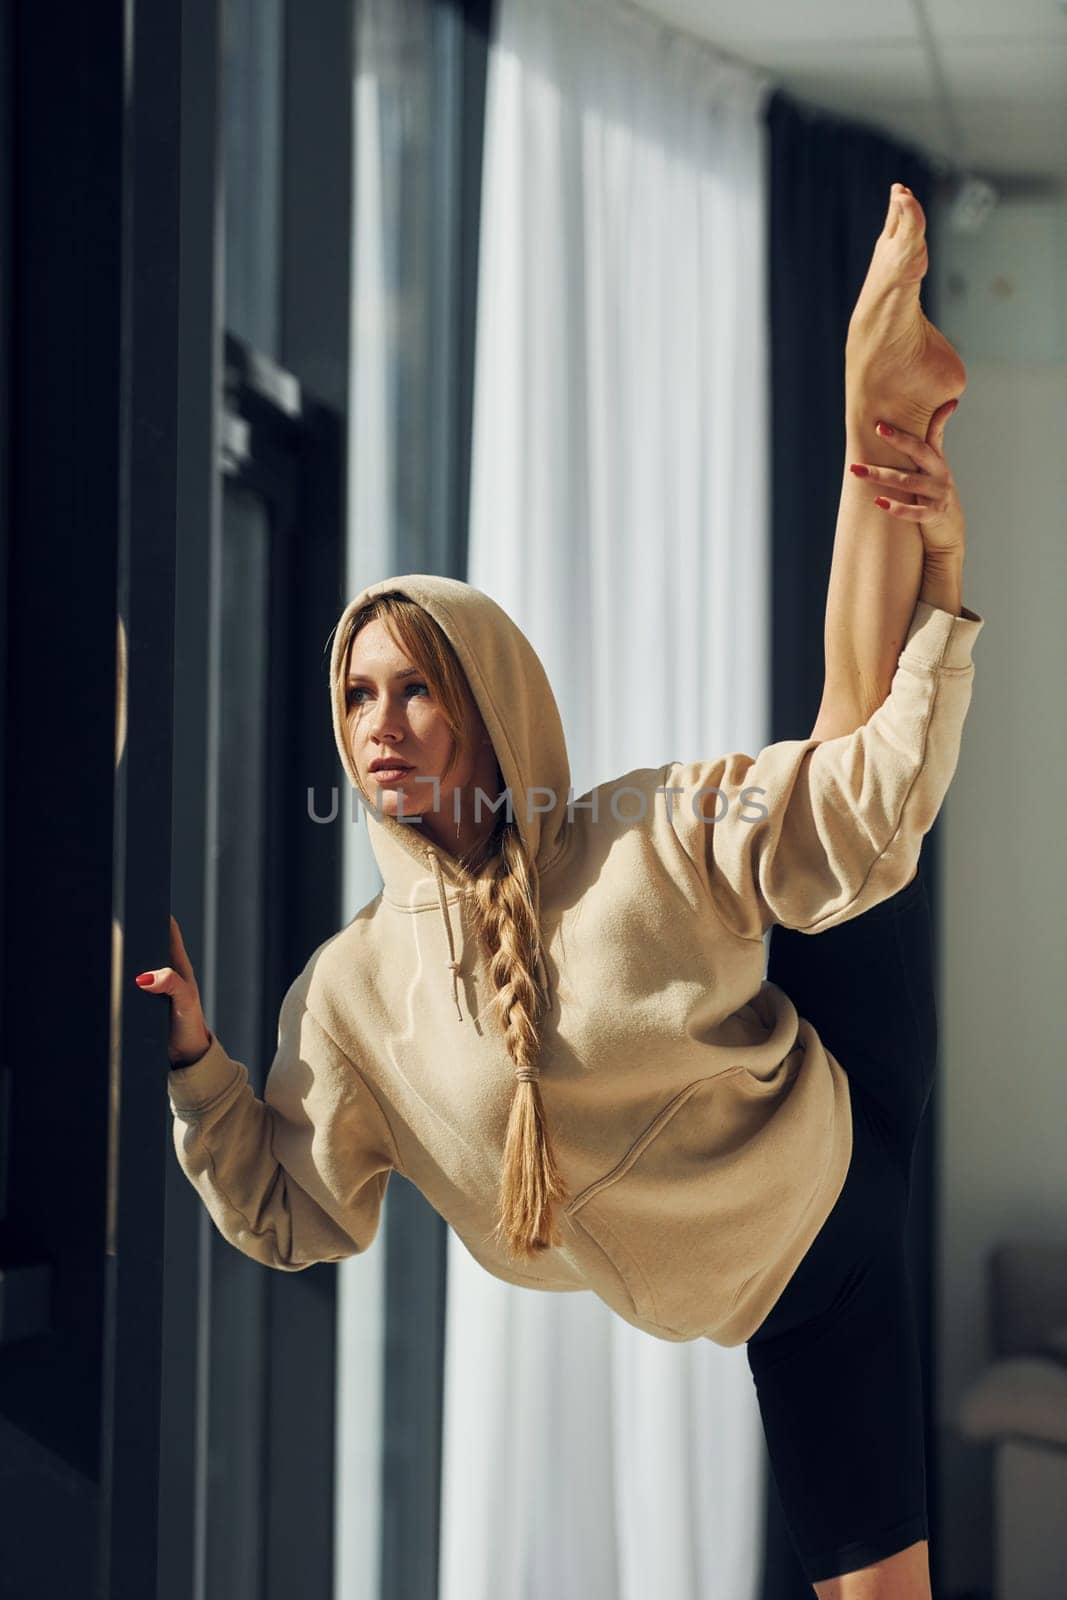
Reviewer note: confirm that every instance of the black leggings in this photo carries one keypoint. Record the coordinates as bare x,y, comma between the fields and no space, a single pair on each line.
836,1361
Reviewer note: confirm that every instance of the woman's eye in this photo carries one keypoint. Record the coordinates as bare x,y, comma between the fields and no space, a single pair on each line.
357,689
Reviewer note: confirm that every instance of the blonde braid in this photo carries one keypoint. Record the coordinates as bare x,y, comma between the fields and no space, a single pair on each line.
504,907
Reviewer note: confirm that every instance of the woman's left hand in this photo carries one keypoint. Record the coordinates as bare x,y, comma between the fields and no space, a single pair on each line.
937,511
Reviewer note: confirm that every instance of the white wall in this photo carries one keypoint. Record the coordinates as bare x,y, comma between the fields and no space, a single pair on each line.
1003,1055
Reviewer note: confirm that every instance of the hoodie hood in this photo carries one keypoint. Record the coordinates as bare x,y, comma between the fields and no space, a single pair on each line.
512,692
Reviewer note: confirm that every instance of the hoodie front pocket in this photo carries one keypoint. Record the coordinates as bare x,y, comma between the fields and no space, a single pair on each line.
644,1139
677,1216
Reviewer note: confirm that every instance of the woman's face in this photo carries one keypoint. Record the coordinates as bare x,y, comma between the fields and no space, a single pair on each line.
391,713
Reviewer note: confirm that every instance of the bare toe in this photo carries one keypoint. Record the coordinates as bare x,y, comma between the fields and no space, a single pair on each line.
905,219
908,259
912,216
892,216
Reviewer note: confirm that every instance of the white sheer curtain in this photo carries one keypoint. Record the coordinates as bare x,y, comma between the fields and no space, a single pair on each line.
619,512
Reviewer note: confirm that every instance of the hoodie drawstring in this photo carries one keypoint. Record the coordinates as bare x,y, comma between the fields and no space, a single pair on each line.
453,964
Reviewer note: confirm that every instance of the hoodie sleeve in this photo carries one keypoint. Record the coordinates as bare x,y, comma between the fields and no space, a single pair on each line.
810,833
299,1176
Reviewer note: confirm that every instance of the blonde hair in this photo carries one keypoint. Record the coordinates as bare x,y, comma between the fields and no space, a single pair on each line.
503,906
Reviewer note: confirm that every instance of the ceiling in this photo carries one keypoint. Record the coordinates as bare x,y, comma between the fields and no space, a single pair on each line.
980,86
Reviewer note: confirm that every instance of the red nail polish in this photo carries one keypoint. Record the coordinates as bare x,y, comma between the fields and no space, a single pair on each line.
880,500
883,427
861,472
143,978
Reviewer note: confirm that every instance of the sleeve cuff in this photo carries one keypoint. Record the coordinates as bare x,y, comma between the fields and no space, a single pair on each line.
196,1086
936,638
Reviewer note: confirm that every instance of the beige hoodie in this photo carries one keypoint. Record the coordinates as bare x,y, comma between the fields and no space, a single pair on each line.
702,1128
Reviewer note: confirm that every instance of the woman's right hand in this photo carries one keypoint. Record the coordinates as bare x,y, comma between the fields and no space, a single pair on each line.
938,511
190,1036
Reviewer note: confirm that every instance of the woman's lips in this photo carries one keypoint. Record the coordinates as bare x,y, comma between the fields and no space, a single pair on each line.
386,775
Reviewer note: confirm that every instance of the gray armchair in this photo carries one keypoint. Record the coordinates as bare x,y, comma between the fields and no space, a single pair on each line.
1019,1405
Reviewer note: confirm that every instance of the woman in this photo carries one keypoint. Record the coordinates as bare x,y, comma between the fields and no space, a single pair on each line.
713,1154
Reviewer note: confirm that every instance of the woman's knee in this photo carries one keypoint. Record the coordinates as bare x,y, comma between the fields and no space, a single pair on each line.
904,1575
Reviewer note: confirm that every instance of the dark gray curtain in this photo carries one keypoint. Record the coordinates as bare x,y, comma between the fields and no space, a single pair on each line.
829,182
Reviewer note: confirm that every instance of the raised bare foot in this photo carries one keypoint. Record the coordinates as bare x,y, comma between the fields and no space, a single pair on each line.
894,357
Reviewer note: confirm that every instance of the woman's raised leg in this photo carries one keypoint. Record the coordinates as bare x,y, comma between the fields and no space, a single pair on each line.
898,369
836,1364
